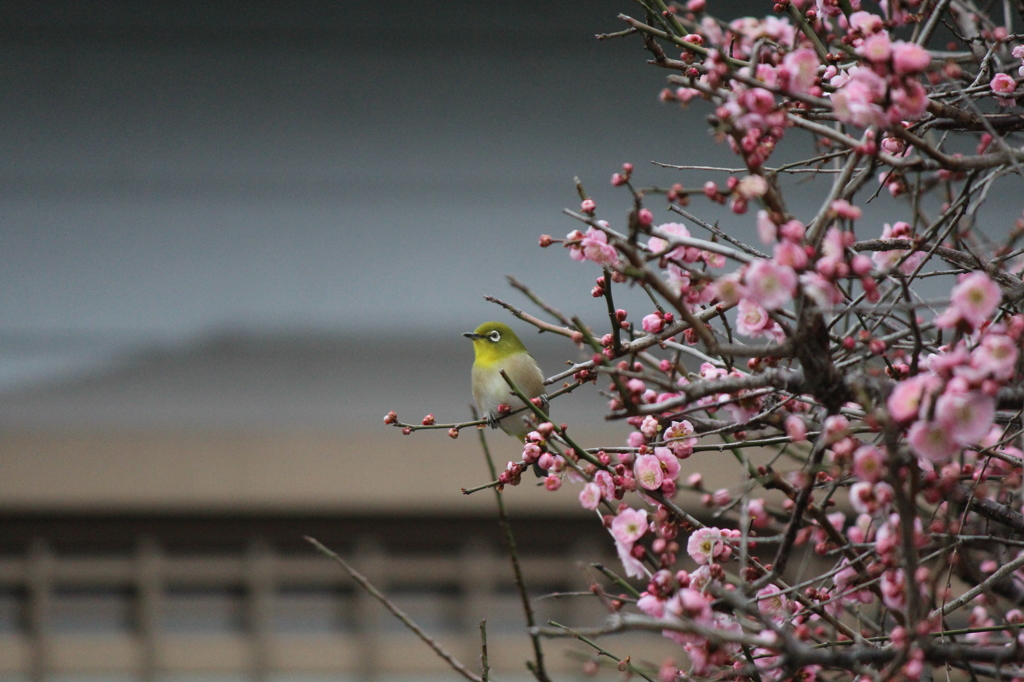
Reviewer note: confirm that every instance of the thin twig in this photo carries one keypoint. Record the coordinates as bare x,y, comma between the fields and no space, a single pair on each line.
455,664
510,543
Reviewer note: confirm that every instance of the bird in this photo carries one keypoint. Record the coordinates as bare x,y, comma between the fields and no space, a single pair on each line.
496,347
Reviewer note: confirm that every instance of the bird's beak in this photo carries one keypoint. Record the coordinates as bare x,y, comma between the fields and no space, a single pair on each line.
473,335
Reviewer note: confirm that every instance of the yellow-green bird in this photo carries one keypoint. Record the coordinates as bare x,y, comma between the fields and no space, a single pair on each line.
498,348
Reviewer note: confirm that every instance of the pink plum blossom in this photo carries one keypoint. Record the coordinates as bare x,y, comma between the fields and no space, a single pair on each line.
647,471
908,58
932,440
669,463
866,22
729,289
629,525
885,260
835,428
605,484
592,246
759,517
678,278
766,229
683,447
670,232
870,498
802,67
633,567
793,230
909,102
791,255
772,603
876,48
966,417
714,260
752,319
844,209
996,356
707,544
905,400
752,186
1003,84
692,604
973,300
822,291
590,496
946,363
650,426
857,98
868,463
651,605
769,284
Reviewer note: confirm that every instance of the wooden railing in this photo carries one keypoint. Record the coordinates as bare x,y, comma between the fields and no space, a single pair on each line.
261,612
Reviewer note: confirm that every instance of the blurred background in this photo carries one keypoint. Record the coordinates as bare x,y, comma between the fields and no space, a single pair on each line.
233,235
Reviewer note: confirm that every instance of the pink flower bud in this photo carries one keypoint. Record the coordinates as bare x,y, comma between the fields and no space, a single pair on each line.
531,453
796,429
844,209
653,323
645,217
588,206
553,482
861,265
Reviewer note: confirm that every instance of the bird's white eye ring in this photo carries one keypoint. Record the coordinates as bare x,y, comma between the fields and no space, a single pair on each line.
494,337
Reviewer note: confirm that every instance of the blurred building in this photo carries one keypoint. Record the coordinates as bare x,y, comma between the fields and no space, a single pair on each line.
154,514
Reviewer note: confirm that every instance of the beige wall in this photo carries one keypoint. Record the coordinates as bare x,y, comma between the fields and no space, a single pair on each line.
249,470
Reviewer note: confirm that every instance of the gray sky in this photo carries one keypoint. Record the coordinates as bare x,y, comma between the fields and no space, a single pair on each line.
209,167
174,170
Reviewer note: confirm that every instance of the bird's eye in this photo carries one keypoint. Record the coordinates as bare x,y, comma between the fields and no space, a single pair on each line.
494,337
